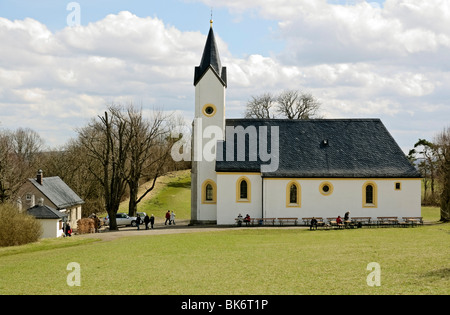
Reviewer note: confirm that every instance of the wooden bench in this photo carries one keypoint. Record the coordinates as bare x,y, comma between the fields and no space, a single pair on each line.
387,220
283,220
262,221
333,223
307,221
361,219
241,221
412,220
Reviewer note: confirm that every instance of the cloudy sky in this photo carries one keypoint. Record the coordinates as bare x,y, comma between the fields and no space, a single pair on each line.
387,59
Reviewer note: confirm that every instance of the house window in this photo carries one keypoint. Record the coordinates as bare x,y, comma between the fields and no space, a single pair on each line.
326,188
209,192
398,186
369,195
293,194
243,190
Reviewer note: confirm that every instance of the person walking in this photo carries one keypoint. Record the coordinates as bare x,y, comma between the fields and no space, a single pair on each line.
152,221
138,221
146,221
167,217
68,230
172,218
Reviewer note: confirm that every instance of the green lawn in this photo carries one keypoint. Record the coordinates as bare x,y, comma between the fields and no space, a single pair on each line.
235,261
173,194
232,261
176,196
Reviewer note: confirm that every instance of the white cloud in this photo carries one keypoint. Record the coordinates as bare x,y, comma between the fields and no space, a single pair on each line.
388,61
359,60
69,76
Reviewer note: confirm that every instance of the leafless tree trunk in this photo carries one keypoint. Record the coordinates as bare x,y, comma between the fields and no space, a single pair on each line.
442,143
149,151
107,141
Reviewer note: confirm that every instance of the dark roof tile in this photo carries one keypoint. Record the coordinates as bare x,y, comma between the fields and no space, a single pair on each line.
354,148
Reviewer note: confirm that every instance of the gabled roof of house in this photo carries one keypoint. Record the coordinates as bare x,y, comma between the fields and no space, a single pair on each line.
324,148
57,191
45,212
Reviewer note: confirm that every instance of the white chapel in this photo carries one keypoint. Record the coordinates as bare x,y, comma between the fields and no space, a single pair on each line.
272,168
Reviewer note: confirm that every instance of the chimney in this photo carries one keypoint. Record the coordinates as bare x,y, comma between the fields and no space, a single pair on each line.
39,177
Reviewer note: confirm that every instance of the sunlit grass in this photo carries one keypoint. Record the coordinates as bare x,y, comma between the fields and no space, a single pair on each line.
247,261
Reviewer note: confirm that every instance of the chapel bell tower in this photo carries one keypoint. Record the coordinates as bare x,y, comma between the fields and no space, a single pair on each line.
210,81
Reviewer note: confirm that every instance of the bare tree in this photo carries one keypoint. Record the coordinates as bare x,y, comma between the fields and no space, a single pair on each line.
19,159
125,148
442,143
290,104
261,106
107,141
71,162
427,156
150,148
296,105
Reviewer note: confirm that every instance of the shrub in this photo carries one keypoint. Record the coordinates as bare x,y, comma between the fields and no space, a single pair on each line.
17,228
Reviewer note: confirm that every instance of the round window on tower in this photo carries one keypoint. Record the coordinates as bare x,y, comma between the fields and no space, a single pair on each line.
209,110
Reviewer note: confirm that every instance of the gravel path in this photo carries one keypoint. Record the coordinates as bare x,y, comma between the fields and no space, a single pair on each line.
159,229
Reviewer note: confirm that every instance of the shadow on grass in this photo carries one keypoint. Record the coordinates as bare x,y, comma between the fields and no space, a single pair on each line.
183,184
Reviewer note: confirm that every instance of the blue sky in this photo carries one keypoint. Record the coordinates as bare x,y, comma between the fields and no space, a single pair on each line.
245,33
370,59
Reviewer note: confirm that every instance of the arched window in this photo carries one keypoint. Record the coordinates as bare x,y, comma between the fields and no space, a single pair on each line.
293,192
243,190
209,192
369,195
243,193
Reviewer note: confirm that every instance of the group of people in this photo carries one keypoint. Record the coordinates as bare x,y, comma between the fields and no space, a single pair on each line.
146,221
247,219
170,217
313,223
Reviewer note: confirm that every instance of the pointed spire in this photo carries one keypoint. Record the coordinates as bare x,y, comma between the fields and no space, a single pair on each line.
211,59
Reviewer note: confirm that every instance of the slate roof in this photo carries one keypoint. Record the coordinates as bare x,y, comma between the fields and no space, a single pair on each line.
355,148
211,59
45,212
57,191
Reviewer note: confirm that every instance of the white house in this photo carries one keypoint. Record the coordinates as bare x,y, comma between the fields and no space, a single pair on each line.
50,219
271,168
55,194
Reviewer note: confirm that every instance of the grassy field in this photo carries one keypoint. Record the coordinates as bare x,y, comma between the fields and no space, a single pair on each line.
235,261
173,192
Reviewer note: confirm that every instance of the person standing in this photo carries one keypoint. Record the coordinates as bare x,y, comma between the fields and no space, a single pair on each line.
172,218
146,221
138,221
96,223
152,221
167,217
68,230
